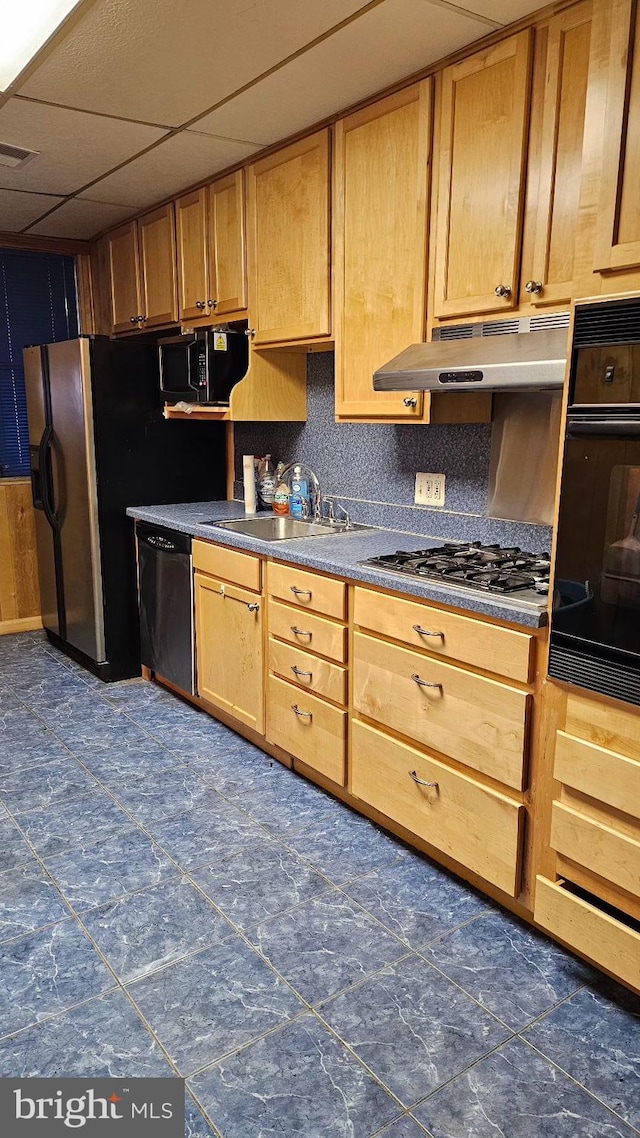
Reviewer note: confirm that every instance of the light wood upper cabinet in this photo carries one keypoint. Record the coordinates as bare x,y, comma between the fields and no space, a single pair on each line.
229,646
288,242
142,264
157,243
617,243
227,244
558,191
381,181
124,269
193,269
482,152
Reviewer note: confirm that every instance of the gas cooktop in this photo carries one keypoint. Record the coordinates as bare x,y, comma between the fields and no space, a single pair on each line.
489,568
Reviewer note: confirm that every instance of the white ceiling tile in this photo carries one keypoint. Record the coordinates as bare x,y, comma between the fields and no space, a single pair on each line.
19,209
502,11
164,62
81,218
74,148
390,42
172,166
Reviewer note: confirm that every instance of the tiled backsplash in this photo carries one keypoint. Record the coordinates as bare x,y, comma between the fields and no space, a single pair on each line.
372,467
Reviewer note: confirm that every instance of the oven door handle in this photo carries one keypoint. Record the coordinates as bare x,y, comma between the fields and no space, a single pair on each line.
604,426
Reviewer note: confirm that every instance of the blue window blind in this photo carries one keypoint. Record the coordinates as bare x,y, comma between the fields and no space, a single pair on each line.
38,304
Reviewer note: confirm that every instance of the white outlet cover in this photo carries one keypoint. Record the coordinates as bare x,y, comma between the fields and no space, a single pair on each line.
429,489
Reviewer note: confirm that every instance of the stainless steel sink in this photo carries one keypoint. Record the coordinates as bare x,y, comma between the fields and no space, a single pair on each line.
272,528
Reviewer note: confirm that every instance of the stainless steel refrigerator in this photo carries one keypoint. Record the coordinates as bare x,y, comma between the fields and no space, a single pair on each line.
98,443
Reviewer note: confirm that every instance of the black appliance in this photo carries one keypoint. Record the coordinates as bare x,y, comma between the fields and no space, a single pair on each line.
203,366
100,443
595,623
165,586
485,568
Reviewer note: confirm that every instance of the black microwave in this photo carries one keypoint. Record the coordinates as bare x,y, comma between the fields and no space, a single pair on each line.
202,366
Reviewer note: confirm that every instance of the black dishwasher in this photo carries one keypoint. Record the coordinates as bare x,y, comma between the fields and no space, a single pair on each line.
165,590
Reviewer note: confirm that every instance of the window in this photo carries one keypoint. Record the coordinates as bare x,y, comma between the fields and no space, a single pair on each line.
38,305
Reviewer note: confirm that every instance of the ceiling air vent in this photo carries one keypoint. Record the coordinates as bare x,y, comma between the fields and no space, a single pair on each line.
14,156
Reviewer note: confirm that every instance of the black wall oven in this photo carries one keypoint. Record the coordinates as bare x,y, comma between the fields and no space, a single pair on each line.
595,623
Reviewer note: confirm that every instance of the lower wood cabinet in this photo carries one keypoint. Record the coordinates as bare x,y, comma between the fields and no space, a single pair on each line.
600,935
308,728
229,637
309,672
474,720
473,824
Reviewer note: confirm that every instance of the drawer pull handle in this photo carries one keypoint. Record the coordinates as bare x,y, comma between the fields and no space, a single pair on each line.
425,632
421,781
425,683
304,714
300,592
300,632
298,672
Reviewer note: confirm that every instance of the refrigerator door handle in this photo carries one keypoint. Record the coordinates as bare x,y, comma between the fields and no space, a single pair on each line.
46,478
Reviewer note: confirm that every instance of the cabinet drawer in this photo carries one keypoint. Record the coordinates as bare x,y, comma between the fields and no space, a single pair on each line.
241,568
603,775
307,590
476,826
606,724
608,942
308,671
477,721
500,650
604,849
307,631
308,728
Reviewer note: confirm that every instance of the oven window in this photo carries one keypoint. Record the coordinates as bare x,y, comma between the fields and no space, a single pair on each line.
597,586
607,376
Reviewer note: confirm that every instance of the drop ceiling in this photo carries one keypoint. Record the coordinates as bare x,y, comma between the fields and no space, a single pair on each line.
132,103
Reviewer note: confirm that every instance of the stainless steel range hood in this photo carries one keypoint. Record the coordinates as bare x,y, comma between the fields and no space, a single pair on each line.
517,361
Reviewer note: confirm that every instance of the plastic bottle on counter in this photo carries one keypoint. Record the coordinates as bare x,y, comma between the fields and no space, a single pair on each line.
249,480
299,499
281,494
266,482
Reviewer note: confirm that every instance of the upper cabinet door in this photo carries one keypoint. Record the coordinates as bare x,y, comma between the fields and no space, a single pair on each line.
288,223
380,247
157,239
483,133
193,276
561,157
618,225
124,270
227,244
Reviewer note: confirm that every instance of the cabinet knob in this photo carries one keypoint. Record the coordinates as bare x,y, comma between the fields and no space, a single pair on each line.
250,332
410,401
534,287
142,320
212,303
133,319
200,304
503,290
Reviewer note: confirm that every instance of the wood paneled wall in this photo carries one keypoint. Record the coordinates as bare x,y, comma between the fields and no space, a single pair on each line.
19,590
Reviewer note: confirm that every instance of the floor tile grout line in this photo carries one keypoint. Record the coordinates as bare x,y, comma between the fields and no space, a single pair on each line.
577,1083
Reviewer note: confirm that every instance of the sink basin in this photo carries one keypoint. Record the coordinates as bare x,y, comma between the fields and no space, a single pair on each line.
273,528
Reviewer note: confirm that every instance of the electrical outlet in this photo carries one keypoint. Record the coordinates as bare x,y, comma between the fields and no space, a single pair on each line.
430,490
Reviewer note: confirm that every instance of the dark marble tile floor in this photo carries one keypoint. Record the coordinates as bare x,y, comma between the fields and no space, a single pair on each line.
174,902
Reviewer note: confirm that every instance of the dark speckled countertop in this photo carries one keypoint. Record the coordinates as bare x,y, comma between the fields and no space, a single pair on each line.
340,555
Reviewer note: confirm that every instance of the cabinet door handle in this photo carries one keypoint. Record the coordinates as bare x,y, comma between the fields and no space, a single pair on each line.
426,632
303,714
250,332
300,592
534,287
200,304
425,683
133,319
212,303
300,632
410,401
253,606
503,290
422,781
298,672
